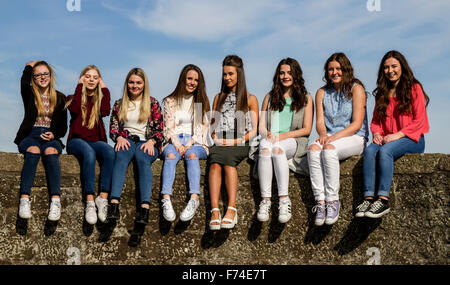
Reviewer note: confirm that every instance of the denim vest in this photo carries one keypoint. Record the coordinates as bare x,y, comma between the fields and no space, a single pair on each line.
338,111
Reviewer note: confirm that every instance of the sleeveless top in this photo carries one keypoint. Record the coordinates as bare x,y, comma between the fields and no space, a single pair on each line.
232,123
338,111
282,121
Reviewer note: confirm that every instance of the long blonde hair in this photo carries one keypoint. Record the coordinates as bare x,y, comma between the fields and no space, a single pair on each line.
50,89
144,111
98,95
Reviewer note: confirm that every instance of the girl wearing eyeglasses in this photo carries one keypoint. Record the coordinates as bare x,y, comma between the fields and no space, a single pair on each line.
40,133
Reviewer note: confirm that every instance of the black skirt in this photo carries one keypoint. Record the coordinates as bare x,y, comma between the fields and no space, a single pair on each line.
228,155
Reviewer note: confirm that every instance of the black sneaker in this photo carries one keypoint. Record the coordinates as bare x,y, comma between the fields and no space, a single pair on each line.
142,216
377,209
363,208
113,212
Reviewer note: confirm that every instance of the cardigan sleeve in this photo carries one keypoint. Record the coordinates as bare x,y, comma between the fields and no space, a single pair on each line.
169,121
416,127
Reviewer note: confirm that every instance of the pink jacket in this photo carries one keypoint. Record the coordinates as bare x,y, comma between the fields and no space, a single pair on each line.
413,124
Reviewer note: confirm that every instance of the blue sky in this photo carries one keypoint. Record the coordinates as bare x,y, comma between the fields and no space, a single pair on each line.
162,36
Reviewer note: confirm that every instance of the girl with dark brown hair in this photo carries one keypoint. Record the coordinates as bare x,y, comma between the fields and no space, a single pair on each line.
285,125
398,126
235,117
185,133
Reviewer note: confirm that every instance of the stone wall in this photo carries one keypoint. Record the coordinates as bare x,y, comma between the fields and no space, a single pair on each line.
416,231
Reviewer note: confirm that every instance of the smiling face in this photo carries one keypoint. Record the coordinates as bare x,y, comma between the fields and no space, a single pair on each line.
230,77
41,76
91,79
286,78
135,86
191,81
392,70
334,72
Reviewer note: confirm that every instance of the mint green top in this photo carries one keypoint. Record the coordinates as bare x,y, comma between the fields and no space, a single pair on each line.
281,121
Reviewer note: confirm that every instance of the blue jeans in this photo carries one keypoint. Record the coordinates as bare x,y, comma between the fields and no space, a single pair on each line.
87,153
192,166
379,163
144,165
31,160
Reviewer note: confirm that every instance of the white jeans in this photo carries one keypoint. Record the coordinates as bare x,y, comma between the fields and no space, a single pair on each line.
324,168
279,163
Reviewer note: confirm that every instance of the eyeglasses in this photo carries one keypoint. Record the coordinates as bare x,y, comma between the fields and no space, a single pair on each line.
39,75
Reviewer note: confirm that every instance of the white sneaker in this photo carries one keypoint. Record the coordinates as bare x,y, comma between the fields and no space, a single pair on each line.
90,213
189,212
25,208
264,209
168,212
102,207
54,214
284,211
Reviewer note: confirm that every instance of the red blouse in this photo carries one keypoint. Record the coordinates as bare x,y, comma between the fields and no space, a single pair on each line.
413,124
98,132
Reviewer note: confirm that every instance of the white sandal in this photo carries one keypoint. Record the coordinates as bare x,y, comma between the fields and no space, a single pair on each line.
218,221
231,223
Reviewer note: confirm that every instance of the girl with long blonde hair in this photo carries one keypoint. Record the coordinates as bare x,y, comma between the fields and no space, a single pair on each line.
87,139
40,133
137,129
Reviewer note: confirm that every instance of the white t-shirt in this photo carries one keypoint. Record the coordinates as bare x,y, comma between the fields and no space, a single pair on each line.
132,125
184,117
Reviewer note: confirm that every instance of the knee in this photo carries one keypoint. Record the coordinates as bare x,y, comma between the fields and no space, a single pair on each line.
385,153
171,155
264,152
50,151
277,151
215,167
328,146
191,156
34,150
314,147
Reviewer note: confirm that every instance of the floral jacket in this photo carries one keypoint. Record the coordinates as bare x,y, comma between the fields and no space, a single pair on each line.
154,129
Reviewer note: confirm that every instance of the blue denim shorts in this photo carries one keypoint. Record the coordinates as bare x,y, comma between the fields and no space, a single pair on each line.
34,139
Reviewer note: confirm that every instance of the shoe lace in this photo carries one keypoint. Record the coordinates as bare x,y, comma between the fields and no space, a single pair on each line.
190,206
264,206
332,206
376,206
319,207
90,207
167,205
363,205
54,208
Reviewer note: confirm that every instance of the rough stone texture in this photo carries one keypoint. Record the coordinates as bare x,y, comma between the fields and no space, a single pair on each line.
416,231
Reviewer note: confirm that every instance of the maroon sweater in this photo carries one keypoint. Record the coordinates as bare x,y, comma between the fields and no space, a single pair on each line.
98,132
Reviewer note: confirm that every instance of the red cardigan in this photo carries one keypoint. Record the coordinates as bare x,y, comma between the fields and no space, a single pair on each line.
98,132
413,124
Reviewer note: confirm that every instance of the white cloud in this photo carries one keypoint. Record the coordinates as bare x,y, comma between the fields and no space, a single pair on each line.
201,19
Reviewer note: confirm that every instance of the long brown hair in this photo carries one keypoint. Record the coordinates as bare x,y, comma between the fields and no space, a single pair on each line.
348,78
200,96
403,89
50,89
241,87
298,89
